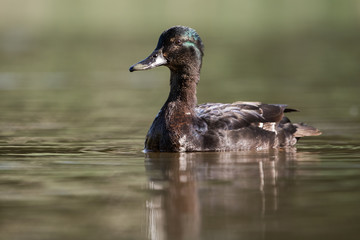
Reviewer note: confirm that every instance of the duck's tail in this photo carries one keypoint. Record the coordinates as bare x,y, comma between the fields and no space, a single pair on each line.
303,130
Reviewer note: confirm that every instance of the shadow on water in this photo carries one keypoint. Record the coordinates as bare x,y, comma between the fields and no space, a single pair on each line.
197,194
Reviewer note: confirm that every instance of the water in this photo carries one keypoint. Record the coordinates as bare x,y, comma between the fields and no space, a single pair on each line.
71,167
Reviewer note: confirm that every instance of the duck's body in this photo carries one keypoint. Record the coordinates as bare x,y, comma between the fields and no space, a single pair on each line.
182,125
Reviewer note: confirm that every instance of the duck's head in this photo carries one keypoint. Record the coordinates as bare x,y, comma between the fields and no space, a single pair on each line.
178,48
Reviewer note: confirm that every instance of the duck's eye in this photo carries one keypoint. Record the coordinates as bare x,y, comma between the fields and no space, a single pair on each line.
178,42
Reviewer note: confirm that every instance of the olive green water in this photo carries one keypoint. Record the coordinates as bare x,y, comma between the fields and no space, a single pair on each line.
73,121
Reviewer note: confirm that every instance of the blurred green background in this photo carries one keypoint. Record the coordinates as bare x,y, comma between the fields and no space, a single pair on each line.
60,59
54,35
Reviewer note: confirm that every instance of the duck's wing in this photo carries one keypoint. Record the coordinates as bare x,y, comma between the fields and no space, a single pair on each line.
241,114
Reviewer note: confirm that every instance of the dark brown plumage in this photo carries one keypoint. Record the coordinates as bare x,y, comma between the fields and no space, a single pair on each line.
182,125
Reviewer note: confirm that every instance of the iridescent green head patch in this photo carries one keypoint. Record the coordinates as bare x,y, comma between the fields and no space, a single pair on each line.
192,39
191,33
189,37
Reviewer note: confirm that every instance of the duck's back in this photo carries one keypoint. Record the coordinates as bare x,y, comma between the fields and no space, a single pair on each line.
248,125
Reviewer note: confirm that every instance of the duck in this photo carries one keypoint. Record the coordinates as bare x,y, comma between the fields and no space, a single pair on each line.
184,126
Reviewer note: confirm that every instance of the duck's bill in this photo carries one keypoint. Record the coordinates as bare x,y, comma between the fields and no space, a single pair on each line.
155,59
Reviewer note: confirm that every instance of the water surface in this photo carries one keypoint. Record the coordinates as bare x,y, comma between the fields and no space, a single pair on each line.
72,167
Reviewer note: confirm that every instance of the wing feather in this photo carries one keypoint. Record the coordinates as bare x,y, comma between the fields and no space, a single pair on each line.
240,114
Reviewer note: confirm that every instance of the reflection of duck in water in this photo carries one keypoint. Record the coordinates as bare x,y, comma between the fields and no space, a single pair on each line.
181,125
193,193
176,212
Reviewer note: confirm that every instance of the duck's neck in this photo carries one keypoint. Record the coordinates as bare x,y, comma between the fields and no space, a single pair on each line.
183,89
